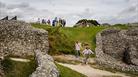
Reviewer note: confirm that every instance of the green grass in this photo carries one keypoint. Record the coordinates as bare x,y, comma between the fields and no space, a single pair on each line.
59,43
24,69
62,39
18,69
83,35
67,72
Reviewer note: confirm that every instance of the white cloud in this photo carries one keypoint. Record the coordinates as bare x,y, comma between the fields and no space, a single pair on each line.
128,14
105,11
24,11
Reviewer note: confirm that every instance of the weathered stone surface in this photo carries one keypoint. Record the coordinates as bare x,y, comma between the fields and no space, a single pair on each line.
19,38
118,49
46,66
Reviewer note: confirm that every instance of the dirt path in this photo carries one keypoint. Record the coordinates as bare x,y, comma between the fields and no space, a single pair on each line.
20,59
86,69
91,72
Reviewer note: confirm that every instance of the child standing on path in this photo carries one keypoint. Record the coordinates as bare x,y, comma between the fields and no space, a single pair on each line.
86,52
77,48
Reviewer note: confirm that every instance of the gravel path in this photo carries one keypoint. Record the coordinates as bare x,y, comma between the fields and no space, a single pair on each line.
86,69
20,59
92,72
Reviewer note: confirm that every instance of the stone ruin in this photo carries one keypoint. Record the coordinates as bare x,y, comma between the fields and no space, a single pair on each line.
46,66
7,18
118,49
18,38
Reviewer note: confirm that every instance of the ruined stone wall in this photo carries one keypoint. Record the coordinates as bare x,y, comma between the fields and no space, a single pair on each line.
18,38
46,66
118,49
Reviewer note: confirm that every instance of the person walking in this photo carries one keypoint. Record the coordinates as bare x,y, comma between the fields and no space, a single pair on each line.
53,23
38,21
43,21
63,22
60,22
77,48
86,52
48,22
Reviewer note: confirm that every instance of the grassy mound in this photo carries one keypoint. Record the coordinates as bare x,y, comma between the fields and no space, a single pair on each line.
58,41
84,35
62,39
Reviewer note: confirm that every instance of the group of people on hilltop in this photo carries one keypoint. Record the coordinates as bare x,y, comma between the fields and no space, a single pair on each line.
86,52
44,21
59,22
56,22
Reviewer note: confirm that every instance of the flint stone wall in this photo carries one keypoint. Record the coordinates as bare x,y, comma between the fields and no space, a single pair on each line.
46,66
118,49
20,39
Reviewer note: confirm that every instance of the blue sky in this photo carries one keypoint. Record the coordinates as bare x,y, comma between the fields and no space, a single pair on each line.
104,11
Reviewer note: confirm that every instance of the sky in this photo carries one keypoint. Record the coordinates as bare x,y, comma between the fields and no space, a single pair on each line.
104,11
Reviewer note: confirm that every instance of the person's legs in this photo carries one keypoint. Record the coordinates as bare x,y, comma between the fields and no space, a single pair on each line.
76,54
86,59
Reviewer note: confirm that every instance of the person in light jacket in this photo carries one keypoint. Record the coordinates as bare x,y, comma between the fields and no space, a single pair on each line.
86,52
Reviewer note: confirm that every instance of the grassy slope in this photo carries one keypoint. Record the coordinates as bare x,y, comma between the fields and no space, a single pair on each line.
84,35
62,39
59,43
87,34
67,72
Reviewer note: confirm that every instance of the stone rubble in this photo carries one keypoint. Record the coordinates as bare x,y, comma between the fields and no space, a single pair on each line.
118,49
46,66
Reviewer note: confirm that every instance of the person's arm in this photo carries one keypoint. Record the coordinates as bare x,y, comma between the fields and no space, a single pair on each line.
75,46
79,44
91,51
83,51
